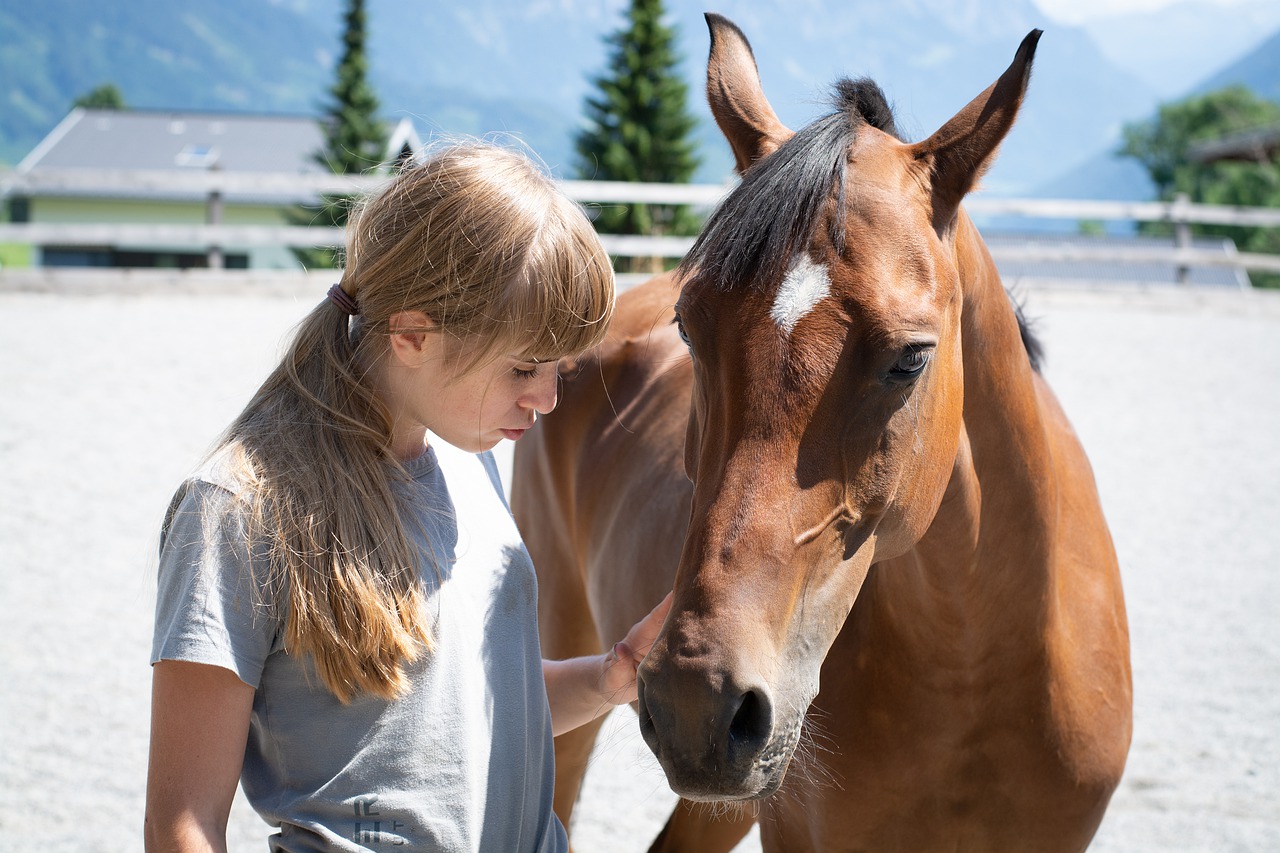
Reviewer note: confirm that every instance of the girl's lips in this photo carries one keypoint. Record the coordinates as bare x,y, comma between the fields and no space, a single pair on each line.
513,434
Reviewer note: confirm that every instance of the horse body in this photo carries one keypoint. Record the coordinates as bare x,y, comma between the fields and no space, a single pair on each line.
977,696
897,620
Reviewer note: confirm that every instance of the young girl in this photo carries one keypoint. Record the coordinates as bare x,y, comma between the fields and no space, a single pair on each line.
346,619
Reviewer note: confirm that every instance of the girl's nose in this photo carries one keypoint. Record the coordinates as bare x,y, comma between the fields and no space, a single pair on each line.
544,397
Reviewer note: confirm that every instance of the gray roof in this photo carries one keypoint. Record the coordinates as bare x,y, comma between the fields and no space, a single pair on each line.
158,140
1259,145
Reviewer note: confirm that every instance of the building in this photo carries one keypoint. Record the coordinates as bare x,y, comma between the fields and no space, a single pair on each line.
1259,145
115,167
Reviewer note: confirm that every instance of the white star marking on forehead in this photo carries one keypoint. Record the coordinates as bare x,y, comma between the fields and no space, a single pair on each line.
805,285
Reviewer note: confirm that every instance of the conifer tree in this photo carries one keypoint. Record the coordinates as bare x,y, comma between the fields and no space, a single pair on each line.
639,127
355,140
105,97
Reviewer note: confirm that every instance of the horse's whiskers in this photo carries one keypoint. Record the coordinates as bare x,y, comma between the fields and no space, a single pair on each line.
730,810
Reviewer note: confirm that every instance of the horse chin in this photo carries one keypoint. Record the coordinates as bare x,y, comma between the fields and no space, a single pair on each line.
753,788
734,799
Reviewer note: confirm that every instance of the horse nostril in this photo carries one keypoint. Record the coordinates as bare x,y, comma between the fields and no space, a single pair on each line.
749,730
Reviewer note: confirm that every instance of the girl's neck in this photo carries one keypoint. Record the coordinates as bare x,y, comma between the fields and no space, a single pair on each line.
408,443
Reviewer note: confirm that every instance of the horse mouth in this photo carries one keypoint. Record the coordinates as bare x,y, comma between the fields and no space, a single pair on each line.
709,778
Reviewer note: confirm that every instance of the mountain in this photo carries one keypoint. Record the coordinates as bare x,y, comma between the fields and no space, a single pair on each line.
524,67
1106,176
1259,70
1178,46
931,57
1102,177
159,53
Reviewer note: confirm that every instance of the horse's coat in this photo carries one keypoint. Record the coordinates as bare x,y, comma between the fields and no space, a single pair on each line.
897,620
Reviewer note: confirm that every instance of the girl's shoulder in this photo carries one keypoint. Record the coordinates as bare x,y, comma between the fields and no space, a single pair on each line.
218,488
227,468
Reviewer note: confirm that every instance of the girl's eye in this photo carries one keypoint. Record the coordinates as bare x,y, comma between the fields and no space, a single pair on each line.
910,364
523,373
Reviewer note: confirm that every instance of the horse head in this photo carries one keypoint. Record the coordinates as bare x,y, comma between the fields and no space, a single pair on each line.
822,310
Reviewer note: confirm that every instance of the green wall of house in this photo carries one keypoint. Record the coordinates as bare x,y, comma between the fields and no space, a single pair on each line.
67,209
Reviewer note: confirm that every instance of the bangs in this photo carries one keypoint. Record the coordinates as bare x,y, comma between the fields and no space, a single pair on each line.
487,247
563,301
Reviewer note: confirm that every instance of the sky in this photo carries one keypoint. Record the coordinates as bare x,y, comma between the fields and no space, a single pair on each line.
1081,11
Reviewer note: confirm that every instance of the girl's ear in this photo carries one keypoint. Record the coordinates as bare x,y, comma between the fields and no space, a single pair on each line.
408,336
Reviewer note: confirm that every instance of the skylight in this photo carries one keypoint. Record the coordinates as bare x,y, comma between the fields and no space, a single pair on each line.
196,155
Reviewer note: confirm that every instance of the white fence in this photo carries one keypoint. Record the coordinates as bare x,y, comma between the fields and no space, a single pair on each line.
215,188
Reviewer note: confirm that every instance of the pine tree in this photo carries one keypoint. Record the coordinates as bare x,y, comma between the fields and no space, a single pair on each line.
638,127
105,97
355,140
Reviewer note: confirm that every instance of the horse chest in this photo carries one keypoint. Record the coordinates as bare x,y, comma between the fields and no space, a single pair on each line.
907,755
935,779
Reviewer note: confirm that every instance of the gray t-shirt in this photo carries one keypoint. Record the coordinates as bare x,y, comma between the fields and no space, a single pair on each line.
463,761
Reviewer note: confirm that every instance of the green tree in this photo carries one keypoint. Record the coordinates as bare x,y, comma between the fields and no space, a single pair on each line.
105,97
355,140
639,127
1161,144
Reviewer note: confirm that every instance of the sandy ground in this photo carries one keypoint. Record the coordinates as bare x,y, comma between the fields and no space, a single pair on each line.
107,401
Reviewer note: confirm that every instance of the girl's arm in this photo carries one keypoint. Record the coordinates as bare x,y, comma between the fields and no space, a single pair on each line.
581,689
199,726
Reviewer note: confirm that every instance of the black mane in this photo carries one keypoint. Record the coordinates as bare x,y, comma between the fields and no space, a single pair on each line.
757,228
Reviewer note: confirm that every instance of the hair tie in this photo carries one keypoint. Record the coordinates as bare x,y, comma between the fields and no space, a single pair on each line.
343,300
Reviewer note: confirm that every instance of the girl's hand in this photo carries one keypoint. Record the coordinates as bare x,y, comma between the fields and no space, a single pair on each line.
583,689
618,681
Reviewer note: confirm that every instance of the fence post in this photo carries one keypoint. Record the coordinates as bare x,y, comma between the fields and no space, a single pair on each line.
1181,232
213,215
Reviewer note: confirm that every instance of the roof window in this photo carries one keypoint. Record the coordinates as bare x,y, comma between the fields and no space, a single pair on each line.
196,155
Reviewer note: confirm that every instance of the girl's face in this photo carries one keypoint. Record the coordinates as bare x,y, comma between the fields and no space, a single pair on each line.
500,399
426,389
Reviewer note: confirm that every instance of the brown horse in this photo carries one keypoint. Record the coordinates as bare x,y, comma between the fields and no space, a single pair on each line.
898,621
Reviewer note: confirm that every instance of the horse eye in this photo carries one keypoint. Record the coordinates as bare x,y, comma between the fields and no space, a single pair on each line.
684,336
910,364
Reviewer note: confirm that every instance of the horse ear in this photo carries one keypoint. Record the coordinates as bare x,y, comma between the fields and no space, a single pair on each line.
963,148
736,97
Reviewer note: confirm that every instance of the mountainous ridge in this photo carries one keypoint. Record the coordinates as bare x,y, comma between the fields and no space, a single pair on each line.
1176,48
1259,69
525,67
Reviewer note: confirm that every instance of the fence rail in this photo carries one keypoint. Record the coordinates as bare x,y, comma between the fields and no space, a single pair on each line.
216,188
247,236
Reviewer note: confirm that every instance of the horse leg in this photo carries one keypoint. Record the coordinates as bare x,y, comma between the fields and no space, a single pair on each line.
573,753
567,630
690,829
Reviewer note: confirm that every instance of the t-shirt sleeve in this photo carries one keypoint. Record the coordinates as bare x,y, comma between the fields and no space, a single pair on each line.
212,601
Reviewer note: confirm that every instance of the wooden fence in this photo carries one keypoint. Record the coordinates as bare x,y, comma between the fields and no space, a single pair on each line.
215,188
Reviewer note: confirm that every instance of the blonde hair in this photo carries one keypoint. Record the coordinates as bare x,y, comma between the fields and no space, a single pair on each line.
482,242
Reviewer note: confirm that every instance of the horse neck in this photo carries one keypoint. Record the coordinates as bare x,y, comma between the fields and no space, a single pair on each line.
983,566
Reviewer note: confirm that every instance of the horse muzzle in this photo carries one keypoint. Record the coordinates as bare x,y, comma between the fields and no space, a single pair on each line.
716,737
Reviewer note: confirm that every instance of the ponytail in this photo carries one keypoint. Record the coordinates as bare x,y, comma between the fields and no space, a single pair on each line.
315,453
